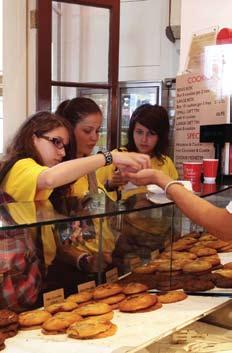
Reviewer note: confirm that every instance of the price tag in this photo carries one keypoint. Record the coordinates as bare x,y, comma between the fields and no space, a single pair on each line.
53,297
86,286
135,262
154,254
112,275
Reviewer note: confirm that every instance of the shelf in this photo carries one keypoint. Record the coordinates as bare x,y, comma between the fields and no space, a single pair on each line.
135,331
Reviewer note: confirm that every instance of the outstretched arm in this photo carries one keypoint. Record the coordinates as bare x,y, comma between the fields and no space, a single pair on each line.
214,219
69,171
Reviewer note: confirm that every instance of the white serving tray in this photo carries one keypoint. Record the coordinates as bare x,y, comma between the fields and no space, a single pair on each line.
135,331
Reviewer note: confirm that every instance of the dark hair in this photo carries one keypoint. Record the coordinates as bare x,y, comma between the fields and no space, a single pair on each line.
74,110
23,146
155,118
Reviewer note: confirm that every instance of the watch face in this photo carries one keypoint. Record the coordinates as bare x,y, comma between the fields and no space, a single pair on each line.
65,231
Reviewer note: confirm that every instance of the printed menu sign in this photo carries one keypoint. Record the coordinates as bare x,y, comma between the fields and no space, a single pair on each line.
199,101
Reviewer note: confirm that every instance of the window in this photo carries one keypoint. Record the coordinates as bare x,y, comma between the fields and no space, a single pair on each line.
78,49
1,83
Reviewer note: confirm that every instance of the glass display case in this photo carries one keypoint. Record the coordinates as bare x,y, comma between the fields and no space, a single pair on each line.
48,240
44,246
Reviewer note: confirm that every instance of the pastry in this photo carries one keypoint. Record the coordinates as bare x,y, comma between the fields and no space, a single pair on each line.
137,302
134,287
171,297
88,328
106,290
33,318
80,297
93,309
63,306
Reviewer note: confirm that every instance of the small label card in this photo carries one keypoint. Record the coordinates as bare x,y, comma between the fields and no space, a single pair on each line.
135,262
86,286
112,275
154,254
53,297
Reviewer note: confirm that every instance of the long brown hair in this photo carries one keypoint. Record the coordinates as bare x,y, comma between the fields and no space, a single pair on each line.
22,145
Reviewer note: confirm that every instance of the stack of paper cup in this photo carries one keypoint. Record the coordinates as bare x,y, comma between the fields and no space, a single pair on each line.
210,167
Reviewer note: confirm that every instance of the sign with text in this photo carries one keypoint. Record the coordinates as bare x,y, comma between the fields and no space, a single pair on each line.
112,275
53,297
199,101
86,286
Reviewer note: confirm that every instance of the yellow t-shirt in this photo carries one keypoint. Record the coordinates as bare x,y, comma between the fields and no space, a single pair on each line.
80,188
105,173
21,183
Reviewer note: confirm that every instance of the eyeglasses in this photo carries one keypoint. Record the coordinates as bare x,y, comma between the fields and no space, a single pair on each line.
56,141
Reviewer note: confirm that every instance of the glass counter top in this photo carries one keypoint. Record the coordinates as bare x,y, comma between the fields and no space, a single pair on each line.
27,214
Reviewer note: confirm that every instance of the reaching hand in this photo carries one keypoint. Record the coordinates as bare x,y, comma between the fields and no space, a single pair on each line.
117,180
148,176
131,161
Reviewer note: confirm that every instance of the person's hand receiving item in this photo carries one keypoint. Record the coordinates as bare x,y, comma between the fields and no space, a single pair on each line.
116,181
148,176
131,161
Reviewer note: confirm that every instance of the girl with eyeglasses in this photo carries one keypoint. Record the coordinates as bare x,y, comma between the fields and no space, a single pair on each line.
41,162
148,133
42,155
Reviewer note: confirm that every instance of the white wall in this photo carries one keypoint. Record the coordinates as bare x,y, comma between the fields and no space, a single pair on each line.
198,15
145,51
15,66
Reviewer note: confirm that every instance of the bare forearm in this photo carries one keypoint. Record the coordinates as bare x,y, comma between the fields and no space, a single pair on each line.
214,219
69,171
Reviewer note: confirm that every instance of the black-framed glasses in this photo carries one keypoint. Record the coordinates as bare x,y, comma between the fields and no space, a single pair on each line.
56,141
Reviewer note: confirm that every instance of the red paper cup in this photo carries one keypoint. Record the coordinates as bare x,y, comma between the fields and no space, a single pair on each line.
196,185
208,188
192,171
210,167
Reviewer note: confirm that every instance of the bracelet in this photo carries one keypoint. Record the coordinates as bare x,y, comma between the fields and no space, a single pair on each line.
82,262
108,157
169,184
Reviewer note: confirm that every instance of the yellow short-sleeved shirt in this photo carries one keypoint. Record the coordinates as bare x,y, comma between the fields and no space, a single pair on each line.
105,173
80,188
21,183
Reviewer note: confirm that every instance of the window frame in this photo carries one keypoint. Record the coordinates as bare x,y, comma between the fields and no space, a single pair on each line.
44,69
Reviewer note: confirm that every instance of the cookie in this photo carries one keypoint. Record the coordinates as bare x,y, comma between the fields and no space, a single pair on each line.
33,318
106,290
114,299
147,268
197,266
63,306
171,297
134,287
80,297
60,322
93,309
137,302
222,278
88,328
7,317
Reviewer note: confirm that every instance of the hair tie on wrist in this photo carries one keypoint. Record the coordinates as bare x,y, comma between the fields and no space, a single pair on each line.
169,184
108,157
